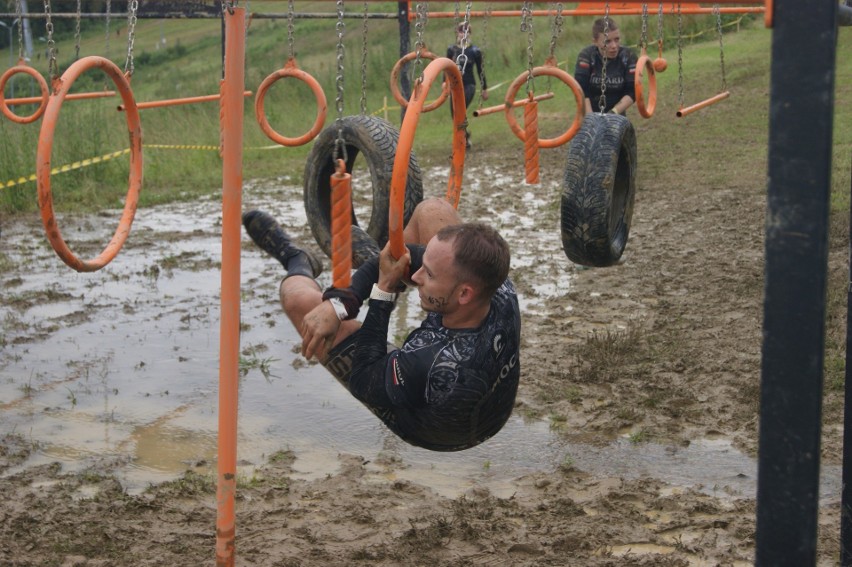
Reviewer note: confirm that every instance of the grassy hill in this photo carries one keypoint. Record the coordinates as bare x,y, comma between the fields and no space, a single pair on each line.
180,58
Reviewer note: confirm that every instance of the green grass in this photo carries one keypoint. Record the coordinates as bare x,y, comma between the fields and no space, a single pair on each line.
180,58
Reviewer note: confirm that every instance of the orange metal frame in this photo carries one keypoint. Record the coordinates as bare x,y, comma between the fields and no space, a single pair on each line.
394,81
231,121
453,79
550,69
42,100
45,147
290,69
177,101
515,104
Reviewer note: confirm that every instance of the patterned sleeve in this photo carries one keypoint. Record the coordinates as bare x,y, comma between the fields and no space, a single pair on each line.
583,71
630,77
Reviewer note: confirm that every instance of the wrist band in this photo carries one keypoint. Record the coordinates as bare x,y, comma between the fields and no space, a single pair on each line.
380,295
347,299
339,308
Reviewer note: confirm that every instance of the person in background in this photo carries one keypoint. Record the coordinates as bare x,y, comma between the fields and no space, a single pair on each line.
468,57
618,86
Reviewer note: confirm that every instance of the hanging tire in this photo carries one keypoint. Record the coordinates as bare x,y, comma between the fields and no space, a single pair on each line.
376,140
598,190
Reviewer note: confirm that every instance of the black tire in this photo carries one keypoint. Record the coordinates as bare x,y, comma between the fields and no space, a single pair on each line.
598,190
376,140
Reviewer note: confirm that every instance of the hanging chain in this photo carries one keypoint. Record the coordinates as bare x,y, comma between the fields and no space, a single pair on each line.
106,27
339,143
132,7
456,17
461,60
643,39
527,26
602,99
556,30
19,14
364,37
485,40
52,68
77,32
679,56
291,52
660,27
419,26
721,46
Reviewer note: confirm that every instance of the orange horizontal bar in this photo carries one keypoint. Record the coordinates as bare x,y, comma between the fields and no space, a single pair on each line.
692,9
704,103
501,107
78,96
177,101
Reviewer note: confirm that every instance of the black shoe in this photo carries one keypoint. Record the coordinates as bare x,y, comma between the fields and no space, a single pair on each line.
363,246
271,238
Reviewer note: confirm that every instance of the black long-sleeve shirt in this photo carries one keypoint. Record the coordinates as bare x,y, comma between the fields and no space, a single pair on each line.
620,76
445,389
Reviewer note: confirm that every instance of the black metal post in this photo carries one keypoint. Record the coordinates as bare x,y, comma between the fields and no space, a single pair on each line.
404,47
846,494
804,40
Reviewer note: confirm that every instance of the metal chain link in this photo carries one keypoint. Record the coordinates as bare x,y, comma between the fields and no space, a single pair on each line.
339,144
419,26
291,52
485,40
556,30
19,12
364,38
52,68
721,46
106,27
679,56
462,59
132,8
643,38
77,31
527,26
602,99
660,25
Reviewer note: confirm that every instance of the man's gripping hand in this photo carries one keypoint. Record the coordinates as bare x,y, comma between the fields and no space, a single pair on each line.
392,271
319,327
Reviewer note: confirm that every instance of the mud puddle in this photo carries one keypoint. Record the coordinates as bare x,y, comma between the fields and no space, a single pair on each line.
119,368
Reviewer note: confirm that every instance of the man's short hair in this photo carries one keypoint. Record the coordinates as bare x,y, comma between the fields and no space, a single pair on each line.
481,255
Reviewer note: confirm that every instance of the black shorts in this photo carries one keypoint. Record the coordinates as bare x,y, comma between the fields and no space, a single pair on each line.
338,361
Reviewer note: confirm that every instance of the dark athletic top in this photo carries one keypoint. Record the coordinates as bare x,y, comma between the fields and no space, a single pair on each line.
445,389
474,59
620,76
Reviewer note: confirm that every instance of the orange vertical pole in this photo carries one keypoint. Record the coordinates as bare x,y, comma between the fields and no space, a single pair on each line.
531,141
341,226
231,125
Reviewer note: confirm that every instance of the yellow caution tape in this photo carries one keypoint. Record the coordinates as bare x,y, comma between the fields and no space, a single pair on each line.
98,159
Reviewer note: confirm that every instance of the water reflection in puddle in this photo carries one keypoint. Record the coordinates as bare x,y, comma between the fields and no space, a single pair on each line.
121,366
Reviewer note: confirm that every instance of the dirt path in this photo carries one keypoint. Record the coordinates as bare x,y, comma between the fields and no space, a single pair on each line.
663,348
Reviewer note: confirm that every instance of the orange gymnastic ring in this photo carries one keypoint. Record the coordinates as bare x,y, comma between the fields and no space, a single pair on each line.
394,80
453,79
290,69
45,147
553,71
42,84
645,109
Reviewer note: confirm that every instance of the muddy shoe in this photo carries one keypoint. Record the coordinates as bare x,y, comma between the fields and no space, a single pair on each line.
363,246
271,238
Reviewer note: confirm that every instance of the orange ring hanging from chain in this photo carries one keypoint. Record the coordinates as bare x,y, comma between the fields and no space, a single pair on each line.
646,109
397,69
290,69
406,139
549,68
45,147
42,84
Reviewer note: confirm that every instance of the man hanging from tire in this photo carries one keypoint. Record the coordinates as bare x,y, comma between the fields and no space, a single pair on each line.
452,384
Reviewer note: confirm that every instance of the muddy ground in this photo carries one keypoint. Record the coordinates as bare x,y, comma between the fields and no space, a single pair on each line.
663,347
